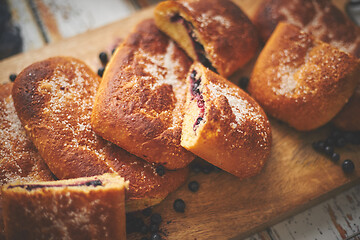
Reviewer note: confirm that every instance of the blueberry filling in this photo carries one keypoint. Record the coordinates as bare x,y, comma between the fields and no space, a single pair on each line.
30,187
195,92
199,48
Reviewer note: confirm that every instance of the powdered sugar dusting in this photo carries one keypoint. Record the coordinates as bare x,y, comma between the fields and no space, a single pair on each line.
165,69
18,157
210,17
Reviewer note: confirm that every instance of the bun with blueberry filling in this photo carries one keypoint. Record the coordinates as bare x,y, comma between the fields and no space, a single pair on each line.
54,100
214,32
224,125
82,208
139,105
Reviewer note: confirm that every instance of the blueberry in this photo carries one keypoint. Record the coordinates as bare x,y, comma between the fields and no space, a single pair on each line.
156,218
336,133
179,205
329,150
144,229
154,228
330,141
155,236
193,186
101,71
160,170
146,212
243,82
340,142
349,136
103,58
335,157
208,169
12,77
195,167
348,166
319,146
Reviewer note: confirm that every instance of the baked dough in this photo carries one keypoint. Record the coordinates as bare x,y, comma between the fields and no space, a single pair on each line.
19,159
224,125
325,22
83,208
302,81
139,105
215,32
54,100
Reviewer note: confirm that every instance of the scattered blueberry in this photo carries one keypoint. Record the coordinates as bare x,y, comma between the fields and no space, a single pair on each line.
179,205
340,142
329,150
349,136
330,141
144,229
336,133
335,157
155,236
103,58
12,77
146,212
160,170
193,186
101,71
348,166
243,82
208,169
195,167
154,228
156,218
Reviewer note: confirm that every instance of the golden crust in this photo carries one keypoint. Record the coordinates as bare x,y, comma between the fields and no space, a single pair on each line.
327,23
57,210
19,159
302,81
139,105
54,100
229,38
318,17
234,133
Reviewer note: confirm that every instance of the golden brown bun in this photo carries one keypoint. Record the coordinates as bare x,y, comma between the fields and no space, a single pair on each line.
318,17
325,22
139,105
228,37
54,100
233,132
83,208
302,81
19,159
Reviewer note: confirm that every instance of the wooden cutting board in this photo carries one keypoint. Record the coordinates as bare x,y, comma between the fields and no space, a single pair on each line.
294,178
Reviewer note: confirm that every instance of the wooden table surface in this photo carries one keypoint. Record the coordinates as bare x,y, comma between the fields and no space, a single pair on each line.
49,21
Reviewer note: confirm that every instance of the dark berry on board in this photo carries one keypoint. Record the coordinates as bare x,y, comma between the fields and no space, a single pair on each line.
160,170
243,82
144,229
101,71
349,136
336,133
156,218
12,77
193,186
195,167
146,212
330,141
208,169
103,58
155,236
329,150
348,166
340,142
179,205
154,228
335,157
